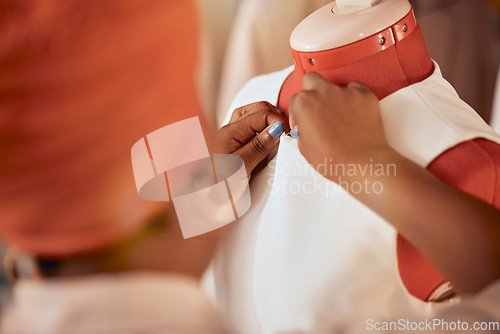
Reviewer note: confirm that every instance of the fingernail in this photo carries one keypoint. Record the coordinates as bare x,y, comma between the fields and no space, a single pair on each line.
281,112
276,130
294,133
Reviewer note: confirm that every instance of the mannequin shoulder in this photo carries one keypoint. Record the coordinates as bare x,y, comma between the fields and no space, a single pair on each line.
428,118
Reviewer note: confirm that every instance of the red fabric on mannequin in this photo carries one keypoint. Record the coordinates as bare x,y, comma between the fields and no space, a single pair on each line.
400,65
81,81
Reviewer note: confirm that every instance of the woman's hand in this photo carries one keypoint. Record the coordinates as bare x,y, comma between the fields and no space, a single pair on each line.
253,131
338,123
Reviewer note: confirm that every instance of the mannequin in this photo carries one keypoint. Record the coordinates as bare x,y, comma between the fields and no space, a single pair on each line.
393,57
310,258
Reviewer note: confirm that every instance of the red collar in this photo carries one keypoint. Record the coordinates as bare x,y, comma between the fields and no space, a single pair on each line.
386,62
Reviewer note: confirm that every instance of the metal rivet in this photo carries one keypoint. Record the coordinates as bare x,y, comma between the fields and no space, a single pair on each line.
312,61
381,41
405,28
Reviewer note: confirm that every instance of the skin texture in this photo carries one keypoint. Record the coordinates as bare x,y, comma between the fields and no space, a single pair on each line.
457,232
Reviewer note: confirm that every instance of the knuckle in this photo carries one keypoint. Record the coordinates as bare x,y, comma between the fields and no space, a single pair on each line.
228,129
306,97
363,92
293,100
309,79
315,80
263,105
301,100
271,117
308,76
359,88
267,113
355,92
334,87
311,76
239,111
224,128
259,146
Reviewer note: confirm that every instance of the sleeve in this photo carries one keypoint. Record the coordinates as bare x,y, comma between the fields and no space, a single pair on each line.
473,167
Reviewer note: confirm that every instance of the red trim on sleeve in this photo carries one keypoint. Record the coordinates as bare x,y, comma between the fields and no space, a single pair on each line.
473,167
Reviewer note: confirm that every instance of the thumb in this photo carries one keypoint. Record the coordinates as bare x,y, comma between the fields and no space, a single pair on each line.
260,146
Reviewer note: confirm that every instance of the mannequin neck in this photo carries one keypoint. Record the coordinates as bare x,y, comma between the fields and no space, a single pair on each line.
385,62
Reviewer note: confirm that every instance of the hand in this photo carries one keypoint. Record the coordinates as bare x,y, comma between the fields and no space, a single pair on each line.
333,122
253,131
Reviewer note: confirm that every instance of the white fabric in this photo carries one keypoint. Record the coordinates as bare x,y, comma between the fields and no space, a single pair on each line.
308,256
113,304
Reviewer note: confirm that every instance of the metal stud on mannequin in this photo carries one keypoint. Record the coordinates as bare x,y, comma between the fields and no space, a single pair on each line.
344,40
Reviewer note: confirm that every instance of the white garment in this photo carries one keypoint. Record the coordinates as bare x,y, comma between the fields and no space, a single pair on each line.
308,256
145,303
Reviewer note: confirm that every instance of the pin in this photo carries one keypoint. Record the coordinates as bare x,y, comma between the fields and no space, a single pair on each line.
294,133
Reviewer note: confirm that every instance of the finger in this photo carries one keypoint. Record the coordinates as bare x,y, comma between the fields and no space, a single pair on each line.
261,145
244,129
359,86
300,106
292,109
313,80
291,120
250,109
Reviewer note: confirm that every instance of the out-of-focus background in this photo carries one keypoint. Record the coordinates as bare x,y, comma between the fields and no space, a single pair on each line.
244,38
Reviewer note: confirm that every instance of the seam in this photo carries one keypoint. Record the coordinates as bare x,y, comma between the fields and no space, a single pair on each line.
396,45
492,166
